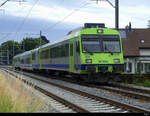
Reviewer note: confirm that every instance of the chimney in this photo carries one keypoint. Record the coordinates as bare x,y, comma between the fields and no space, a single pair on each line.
130,27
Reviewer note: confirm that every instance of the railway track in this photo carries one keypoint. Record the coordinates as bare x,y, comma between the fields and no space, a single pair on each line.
130,92
85,102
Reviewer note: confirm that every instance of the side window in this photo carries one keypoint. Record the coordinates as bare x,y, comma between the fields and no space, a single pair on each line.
71,49
33,56
67,49
77,47
45,54
129,67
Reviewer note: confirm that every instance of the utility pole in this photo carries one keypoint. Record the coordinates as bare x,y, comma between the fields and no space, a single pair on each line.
1,55
116,11
117,14
40,38
7,55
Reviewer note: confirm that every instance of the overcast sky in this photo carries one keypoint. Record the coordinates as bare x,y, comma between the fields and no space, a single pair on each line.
57,17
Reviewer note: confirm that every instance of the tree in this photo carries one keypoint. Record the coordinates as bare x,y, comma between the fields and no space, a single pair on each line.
31,43
13,49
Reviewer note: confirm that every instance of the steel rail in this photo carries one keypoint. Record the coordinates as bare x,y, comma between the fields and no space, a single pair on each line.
125,106
57,98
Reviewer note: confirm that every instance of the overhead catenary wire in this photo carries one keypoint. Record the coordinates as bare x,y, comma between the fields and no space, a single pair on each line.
21,25
4,3
8,33
75,10
25,18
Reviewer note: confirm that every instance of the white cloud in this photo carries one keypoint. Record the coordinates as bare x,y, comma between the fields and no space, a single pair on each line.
93,12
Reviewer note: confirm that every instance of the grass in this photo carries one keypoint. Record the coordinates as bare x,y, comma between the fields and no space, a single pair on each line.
140,80
145,83
16,97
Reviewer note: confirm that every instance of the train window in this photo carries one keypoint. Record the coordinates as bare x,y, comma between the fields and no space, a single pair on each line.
71,49
27,60
91,45
67,49
45,54
59,51
111,46
33,56
52,53
63,50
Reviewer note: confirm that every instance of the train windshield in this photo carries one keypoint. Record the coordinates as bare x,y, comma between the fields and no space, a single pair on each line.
111,46
101,44
91,45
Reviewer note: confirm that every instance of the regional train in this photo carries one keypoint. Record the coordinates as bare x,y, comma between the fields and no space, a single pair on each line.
91,53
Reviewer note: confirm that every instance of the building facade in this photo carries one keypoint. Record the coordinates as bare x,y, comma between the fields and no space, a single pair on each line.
136,49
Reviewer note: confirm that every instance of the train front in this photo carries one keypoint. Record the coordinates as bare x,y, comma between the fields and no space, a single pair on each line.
101,51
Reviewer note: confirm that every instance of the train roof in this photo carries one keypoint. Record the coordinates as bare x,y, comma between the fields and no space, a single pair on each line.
43,46
77,30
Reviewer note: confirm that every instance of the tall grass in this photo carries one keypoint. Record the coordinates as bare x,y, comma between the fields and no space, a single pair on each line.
16,97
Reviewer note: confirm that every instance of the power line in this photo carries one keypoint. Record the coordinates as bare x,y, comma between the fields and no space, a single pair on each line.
4,3
21,25
8,34
75,10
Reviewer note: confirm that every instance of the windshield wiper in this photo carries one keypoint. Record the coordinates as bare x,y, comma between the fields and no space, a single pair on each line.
109,51
86,51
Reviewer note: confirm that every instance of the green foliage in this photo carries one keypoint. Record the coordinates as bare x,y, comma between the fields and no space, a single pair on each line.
15,48
6,104
141,80
146,83
31,43
10,45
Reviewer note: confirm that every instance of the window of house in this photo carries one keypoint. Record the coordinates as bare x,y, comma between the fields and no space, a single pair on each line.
129,67
139,67
142,41
147,68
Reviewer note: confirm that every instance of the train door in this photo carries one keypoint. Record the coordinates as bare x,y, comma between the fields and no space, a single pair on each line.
71,55
39,59
76,54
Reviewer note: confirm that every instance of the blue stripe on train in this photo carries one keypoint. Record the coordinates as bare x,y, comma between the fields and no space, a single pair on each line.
66,66
61,66
83,66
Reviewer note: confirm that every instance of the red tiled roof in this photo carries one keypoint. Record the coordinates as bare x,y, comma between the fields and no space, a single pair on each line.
133,42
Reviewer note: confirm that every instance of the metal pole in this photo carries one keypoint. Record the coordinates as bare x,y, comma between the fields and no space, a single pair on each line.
117,14
40,38
13,49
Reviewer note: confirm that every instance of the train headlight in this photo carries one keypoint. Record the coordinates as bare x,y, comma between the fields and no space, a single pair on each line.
117,60
99,31
88,61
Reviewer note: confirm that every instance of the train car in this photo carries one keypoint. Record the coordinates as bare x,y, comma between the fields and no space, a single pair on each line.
87,52
23,61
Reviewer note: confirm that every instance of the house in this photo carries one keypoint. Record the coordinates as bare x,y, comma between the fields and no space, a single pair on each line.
136,50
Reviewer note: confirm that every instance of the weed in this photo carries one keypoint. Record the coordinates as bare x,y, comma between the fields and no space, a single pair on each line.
15,96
